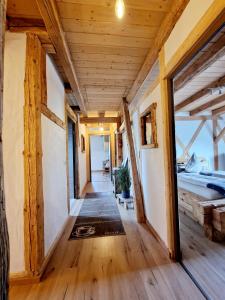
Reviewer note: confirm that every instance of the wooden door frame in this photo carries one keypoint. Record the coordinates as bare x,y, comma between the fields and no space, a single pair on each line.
89,148
202,33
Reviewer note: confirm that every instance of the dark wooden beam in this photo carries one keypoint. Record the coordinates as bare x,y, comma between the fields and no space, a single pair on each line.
92,120
4,237
48,11
138,198
207,105
218,111
164,31
36,26
207,58
203,92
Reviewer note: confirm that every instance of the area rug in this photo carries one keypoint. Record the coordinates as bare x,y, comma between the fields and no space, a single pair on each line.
99,216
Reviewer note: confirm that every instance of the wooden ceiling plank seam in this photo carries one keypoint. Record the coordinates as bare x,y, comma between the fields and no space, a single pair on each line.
50,16
165,29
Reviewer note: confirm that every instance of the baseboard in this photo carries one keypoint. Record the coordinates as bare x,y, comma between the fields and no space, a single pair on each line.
157,237
24,278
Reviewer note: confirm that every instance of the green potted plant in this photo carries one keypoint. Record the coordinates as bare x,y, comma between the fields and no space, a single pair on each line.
124,181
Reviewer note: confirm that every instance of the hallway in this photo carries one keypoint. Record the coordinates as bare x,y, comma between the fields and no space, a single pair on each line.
132,266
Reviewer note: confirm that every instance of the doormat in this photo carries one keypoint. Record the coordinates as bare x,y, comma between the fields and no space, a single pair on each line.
98,218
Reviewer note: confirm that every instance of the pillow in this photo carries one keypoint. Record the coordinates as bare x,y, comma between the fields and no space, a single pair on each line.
193,165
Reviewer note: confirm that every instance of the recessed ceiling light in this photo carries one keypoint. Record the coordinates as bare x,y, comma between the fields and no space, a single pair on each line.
119,9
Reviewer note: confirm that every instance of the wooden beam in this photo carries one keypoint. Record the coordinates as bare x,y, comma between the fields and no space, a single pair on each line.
33,208
4,237
192,118
91,120
164,31
138,199
215,144
203,92
48,11
26,25
207,58
207,105
52,116
71,113
195,135
77,166
220,135
219,111
119,146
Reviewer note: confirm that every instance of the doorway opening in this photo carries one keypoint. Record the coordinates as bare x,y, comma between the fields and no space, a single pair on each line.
73,192
198,95
100,158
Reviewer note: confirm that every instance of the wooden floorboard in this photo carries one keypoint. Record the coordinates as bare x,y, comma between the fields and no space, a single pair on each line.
203,258
134,266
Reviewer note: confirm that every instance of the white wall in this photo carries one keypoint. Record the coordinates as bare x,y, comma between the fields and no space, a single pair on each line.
152,174
99,152
54,161
190,17
82,160
13,145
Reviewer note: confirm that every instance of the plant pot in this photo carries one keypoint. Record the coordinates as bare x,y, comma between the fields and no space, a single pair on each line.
126,194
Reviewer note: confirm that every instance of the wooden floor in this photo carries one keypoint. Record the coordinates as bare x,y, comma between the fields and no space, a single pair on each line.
203,258
132,267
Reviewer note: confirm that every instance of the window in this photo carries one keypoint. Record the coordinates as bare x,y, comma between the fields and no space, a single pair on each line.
148,127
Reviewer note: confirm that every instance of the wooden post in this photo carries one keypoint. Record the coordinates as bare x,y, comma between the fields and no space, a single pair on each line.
4,238
215,143
77,169
33,209
138,199
119,144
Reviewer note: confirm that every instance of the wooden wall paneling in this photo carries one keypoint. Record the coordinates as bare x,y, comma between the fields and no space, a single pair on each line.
215,143
4,238
138,198
34,206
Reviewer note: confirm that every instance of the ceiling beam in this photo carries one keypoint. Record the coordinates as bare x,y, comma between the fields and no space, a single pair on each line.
207,105
26,25
192,118
91,120
218,111
203,92
212,54
48,11
164,31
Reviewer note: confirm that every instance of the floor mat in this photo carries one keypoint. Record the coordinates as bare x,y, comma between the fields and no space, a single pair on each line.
98,217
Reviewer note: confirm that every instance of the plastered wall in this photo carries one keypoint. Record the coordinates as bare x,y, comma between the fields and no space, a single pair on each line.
13,145
54,161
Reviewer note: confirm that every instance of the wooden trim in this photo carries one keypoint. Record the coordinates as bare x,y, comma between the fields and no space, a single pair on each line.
77,165
23,278
206,27
91,120
71,113
34,203
169,142
52,116
67,162
4,243
163,33
138,198
152,110
157,237
49,13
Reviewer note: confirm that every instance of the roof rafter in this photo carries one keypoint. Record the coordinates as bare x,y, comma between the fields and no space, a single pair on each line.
207,105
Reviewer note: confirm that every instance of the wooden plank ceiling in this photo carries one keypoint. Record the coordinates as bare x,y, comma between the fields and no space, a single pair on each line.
107,53
193,85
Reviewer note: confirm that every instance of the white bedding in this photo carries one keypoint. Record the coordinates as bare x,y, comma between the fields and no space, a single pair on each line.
197,184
